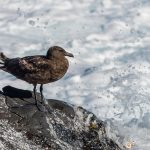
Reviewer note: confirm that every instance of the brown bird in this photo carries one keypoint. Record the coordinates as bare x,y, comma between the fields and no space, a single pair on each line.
38,69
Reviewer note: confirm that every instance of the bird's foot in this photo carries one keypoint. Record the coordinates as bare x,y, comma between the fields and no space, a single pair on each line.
40,107
37,106
42,101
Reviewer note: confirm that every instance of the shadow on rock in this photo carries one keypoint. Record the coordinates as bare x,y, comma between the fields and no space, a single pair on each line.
16,93
60,126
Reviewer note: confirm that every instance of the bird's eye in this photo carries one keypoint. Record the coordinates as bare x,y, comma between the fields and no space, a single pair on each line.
62,51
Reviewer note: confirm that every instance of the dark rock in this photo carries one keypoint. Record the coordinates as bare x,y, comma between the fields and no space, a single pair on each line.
58,126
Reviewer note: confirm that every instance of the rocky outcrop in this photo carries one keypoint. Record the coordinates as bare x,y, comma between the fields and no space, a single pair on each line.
56,126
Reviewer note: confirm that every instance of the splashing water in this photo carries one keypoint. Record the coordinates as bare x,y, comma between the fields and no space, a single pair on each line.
110,72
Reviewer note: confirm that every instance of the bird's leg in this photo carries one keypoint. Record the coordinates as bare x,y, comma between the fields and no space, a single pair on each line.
36,102
34,90
41,91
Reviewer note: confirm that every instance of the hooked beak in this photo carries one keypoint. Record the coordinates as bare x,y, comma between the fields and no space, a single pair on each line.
68,54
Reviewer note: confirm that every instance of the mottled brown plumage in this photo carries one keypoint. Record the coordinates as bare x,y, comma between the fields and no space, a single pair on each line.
38,69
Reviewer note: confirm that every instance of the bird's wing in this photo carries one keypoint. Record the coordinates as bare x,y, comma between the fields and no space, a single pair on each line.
33,64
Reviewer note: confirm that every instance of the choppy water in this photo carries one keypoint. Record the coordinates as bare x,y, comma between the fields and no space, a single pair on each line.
110,72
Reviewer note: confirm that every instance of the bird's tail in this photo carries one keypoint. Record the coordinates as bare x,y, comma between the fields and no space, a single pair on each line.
3,58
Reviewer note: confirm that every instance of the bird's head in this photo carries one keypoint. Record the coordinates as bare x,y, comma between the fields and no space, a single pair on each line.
57,52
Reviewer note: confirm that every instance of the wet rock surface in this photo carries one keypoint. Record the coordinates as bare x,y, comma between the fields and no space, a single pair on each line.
56,126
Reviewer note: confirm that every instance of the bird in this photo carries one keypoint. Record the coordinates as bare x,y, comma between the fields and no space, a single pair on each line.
38,69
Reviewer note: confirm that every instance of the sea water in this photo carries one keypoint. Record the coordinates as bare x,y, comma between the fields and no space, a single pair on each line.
110,73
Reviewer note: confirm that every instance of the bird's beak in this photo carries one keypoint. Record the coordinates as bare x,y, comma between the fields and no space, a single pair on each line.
68,54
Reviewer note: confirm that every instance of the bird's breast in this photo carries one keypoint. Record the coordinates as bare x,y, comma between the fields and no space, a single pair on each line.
59,69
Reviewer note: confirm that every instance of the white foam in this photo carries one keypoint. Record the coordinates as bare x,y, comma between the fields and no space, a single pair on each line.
110,40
